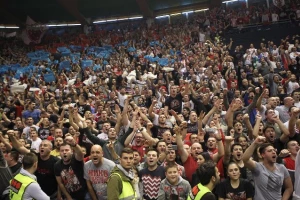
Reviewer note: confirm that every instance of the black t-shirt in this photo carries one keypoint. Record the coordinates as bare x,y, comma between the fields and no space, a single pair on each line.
192,128
44,133
226,191
16,168
45,174
157,131
83,108
72,177
174,103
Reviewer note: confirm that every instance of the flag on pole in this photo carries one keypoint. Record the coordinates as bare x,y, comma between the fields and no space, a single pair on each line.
33,32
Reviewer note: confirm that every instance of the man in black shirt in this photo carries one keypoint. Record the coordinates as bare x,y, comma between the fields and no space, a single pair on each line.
45,170
174,101
69,170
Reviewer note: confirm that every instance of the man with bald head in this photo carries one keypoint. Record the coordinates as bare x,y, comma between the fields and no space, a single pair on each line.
283,110
97,172
45,169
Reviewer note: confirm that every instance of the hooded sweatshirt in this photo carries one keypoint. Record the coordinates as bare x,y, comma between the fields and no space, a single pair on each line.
114,185
179,191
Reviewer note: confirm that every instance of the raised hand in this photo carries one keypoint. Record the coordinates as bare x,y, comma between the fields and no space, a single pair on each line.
260,140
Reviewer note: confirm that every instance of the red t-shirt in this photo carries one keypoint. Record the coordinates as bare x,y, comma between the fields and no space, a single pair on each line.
190,167
289,163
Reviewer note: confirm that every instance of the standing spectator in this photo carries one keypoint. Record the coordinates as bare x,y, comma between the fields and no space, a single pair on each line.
173,186
45,170
151,176
234,187
269,177
24,185
209,177
69,171
97,172
32,112
119,185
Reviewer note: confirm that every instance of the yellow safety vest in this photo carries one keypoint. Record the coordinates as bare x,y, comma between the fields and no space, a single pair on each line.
18,186
128,192
198,192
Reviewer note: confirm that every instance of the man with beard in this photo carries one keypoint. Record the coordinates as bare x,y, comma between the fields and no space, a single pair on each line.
151,176
269,131
209,177
97,172
269,176
45,169
189,160
69,170
57,142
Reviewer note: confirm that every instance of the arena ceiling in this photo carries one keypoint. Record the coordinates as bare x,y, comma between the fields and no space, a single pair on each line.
86,11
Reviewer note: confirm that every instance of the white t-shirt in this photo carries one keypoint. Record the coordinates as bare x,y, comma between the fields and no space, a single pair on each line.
35,145
292,86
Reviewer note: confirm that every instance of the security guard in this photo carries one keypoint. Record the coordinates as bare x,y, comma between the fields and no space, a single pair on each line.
209,177
119,185
24,186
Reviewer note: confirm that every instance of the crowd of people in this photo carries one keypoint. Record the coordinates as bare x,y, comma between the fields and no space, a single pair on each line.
172,113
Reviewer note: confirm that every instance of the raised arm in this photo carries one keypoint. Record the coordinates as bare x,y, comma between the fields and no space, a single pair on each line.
256,126
259,100
293,120
16,144
182,152
249,163
216,157
227,149
7,145
76,148
248,125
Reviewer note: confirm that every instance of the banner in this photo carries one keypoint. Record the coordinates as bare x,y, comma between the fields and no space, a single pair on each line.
33,32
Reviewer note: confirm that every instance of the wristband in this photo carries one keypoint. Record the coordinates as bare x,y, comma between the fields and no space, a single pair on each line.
220,139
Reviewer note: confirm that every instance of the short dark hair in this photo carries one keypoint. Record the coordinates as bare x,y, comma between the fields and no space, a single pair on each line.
153,150
126,150
235,144
266,127
206,171
263,147
168,166
28,160
15,155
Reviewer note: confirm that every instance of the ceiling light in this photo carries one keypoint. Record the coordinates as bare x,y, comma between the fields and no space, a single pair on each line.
201,10
138,17
162,16
175,14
